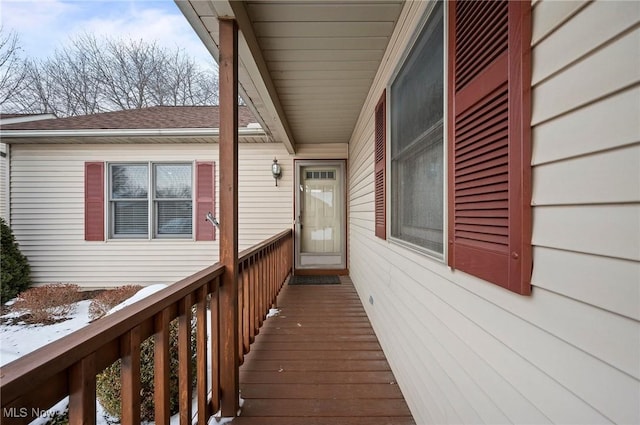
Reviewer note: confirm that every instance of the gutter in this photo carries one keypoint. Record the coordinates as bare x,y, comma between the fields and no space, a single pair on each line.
133,132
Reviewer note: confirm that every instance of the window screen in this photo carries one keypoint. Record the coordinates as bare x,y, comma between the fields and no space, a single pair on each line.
129,200
173,191
417,159
168,207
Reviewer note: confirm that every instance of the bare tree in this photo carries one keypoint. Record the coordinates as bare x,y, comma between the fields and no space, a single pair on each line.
12,70
91,75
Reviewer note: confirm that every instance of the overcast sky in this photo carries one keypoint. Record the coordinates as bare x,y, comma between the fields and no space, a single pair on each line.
44,25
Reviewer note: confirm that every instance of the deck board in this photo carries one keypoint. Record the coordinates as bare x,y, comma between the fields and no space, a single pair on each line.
319,362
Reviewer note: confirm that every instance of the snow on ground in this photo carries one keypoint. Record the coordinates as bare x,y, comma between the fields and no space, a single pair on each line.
19,339
143,293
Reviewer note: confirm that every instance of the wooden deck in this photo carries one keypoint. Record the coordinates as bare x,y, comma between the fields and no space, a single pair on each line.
319,362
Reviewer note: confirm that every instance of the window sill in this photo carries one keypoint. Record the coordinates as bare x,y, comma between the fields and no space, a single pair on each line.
424,252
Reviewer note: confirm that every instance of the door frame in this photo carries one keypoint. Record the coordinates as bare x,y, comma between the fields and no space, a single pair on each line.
298,270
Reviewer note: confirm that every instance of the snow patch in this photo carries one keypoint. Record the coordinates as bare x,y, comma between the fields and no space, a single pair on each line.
273,312
141,294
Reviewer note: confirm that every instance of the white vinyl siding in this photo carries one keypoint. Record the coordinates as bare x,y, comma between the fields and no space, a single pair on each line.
466,351
48,212
322,151
4,182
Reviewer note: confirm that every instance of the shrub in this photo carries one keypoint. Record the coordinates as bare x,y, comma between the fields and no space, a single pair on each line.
106,300
14,268
48,303
59,418
108,384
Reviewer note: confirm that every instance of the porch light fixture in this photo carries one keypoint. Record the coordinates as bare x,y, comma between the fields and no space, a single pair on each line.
276,170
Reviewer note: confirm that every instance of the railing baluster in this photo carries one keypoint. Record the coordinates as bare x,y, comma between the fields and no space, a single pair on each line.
255,305
82,392
240,284
184,359
268,278
262,283
272,280
252,298
161,361
72,363
130,376
201,351
245,310
215,345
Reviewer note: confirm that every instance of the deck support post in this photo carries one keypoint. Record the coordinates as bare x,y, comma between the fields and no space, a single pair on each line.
229,364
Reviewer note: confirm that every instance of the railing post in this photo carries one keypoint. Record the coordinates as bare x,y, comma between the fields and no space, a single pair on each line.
161,367
130,376
228,76
184,360
82,392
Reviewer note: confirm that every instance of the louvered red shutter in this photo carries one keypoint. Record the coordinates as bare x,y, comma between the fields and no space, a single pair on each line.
380,167
205,200
94,201
489,147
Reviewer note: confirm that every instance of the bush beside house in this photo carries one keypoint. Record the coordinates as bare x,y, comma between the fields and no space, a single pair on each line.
14,267
108,383
48,303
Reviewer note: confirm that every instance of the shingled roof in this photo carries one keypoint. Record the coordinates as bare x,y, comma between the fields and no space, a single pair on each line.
155,117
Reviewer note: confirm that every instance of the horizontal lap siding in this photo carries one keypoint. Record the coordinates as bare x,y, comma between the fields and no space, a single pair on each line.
465,351
47,210
4,182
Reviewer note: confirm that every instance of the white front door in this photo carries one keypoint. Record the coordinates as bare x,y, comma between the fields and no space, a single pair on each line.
320,215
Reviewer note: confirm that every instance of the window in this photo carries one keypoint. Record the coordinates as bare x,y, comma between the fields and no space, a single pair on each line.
488,142
321,175
167,207
172,199
416,97
148,200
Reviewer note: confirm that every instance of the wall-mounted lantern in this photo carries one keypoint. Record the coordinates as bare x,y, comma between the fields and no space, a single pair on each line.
276,170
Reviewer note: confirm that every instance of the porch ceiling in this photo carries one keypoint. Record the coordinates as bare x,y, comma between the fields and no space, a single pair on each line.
305,66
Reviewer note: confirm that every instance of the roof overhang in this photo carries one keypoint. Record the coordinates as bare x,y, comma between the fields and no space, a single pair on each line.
161,135
255,85
305,66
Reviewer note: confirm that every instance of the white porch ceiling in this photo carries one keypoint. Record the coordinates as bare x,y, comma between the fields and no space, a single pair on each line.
305,66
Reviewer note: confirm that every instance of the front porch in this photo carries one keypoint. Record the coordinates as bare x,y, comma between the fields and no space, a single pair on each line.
319,362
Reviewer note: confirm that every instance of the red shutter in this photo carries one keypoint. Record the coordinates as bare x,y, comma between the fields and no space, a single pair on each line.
94,201
489,141
380,167
205,200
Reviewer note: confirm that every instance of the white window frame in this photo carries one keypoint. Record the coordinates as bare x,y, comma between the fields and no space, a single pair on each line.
439,256
152,210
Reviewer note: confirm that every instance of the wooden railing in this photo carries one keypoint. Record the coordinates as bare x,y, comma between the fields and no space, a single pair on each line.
68,367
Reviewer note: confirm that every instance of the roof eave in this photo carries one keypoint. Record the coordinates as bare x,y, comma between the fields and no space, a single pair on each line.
253,76
134,132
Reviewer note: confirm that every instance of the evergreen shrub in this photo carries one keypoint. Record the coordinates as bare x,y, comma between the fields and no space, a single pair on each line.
14,267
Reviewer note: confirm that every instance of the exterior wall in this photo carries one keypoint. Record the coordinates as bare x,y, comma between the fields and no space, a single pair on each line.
466,351
323,151
47,213
4,181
